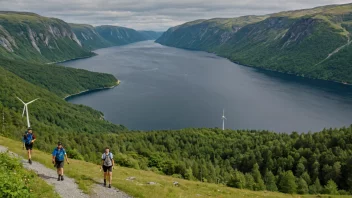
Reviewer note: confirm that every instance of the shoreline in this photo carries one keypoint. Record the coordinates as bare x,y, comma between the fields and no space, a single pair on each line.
281,72
261,68
91,90
78,58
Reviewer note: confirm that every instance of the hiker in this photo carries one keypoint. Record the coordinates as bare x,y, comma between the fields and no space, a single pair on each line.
107,165
59,155
28,140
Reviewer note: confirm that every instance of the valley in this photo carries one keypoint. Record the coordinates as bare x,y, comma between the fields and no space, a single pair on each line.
287,132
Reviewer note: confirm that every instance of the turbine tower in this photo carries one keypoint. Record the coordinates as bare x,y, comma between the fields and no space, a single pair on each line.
25,109
223,119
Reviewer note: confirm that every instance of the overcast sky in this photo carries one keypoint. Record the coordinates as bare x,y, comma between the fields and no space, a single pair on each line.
154,14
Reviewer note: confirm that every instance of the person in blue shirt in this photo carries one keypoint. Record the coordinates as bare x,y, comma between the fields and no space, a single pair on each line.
28,140
58,158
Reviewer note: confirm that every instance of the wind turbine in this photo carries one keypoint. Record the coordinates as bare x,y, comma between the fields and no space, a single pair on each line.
223,119
25,109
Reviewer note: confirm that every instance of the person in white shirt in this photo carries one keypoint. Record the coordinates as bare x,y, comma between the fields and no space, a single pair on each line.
107,164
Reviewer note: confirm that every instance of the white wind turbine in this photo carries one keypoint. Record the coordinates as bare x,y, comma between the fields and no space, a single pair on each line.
25,109
223,119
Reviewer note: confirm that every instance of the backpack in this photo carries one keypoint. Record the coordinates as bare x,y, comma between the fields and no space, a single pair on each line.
104,157
28,138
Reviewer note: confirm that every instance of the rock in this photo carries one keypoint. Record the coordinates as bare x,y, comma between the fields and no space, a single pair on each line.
151,183
176,183
131,178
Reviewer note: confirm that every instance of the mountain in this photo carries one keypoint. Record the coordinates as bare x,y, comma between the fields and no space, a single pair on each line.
107,36
89,37
28,36
313,43
119,35
151,35
35,38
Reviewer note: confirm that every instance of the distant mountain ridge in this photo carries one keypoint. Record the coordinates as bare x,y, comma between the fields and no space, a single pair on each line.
312,43
107,35
31,37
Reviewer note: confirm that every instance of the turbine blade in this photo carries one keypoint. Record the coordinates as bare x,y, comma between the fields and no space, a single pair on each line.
24,110
20,100
32,101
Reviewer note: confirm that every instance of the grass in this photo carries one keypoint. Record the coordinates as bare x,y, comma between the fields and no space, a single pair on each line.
39,188
336,26
86,174
22,182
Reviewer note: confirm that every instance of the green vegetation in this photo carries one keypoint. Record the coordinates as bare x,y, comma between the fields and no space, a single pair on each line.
15,181
61,80
52,114
87,174
255,160
312,43
89,37
206,162
31,37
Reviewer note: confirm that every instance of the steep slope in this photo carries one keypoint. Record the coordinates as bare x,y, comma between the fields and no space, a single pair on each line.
51,115
151,35
107,36
313,43
32,37
89,37
119,35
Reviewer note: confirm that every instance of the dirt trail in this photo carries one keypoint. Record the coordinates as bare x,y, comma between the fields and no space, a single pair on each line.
67,188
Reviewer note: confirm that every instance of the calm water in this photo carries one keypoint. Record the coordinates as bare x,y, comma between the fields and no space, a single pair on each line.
169,88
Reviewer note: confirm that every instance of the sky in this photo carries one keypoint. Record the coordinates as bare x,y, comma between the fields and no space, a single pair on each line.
158,15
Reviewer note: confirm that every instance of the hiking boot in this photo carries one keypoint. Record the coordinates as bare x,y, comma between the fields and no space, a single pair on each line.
62,178
109,185
59,178
30,161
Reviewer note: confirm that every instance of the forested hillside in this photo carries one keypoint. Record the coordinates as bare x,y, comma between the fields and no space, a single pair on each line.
50,116
60,80
256,160
31,37
315,163
313,43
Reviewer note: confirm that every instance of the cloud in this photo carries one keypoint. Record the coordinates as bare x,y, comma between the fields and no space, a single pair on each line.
154,14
